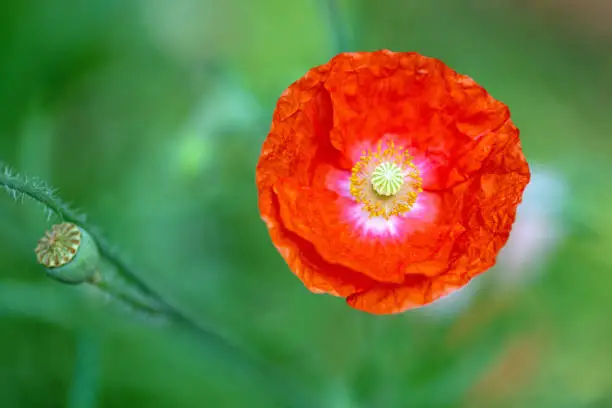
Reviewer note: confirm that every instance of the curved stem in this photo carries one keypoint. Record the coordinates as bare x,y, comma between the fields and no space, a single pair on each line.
19,187
131,289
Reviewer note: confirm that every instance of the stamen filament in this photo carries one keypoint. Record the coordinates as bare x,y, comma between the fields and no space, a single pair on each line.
385,181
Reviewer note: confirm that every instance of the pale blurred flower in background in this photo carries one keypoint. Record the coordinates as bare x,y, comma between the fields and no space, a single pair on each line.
537,231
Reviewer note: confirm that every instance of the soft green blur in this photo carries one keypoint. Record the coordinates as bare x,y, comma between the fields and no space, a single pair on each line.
149,117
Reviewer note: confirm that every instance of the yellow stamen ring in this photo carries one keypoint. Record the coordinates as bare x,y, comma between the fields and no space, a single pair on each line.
386,181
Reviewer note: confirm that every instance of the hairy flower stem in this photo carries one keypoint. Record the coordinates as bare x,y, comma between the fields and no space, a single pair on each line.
20,187
110,281
116,278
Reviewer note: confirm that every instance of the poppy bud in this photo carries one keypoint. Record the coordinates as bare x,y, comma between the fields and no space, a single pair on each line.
69,254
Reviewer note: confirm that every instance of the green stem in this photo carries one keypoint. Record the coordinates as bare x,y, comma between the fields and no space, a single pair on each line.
111,282
20,187
85,378
121,282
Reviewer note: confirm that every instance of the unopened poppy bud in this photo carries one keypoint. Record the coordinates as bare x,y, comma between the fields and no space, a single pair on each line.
68,253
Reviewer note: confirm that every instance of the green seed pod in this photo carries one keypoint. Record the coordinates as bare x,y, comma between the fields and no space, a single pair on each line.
69,254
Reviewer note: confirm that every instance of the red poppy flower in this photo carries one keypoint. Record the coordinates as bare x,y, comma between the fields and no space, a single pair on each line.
389,179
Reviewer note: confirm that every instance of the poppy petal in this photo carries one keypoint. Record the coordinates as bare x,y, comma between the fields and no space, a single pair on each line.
330,131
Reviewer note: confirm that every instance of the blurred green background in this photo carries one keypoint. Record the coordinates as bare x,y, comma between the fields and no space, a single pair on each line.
149,117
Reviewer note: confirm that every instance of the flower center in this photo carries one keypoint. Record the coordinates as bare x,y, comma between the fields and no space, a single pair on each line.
386,181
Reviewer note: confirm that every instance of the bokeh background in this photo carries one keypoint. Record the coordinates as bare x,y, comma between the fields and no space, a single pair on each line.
149,117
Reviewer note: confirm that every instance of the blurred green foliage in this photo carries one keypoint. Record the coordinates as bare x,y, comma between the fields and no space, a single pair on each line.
149,117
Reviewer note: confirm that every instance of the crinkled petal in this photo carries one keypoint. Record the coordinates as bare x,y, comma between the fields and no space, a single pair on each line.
462,140
401,247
